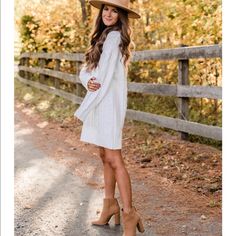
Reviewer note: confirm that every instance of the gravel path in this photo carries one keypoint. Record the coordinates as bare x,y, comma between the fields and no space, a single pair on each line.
59,188
49,199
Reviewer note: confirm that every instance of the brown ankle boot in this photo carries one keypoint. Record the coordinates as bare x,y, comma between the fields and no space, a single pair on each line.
132,220
110,208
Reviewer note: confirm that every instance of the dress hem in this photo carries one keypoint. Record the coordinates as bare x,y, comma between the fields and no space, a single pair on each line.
100,145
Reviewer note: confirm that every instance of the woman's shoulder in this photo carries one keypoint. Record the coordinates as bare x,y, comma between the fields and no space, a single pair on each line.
114,34
112,40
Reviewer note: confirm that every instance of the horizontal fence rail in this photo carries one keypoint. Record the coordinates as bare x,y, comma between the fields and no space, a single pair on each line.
57,74
158,89
69,96
176,90
210,51
59,56
183,91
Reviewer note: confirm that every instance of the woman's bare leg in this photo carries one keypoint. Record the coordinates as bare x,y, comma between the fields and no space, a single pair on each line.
109,176
115,160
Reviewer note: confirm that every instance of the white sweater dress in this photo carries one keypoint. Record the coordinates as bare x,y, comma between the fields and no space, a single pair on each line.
103,111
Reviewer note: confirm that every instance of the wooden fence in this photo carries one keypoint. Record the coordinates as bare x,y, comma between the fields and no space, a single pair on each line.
182,90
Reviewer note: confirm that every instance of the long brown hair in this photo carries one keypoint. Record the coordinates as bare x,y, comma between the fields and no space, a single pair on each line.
99,35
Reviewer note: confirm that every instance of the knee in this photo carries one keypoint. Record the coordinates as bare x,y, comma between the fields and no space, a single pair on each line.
115,161
114,164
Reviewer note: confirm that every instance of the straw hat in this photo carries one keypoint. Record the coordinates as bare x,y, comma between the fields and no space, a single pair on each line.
124,4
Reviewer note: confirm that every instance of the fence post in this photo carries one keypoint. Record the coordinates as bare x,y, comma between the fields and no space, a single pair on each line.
78,89
57,68
42,63
183,79
21,63
26,63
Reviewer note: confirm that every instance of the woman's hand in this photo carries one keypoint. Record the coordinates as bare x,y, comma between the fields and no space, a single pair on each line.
92,85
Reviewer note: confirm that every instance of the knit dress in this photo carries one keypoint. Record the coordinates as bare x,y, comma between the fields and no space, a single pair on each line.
103,111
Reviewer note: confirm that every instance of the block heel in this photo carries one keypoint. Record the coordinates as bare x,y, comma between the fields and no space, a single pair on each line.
131,221
117,218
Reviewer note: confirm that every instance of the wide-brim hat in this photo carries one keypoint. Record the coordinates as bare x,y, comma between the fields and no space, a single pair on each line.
124,4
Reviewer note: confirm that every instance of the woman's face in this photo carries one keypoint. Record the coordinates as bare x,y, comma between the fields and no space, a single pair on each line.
109,15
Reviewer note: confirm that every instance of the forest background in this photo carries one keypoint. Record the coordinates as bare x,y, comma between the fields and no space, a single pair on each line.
64,26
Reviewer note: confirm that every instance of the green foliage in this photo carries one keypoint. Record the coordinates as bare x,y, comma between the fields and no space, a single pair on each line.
153,104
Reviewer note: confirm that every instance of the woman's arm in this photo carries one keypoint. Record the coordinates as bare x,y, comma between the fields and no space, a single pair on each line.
85,77
105,72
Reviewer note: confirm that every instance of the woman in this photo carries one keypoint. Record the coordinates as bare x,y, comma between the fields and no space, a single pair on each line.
103,109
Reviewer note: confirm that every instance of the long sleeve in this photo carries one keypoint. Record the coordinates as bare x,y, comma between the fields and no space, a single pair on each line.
85,77
105,71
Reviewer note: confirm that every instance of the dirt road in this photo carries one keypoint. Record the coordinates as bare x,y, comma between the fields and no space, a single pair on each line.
59,189
49,199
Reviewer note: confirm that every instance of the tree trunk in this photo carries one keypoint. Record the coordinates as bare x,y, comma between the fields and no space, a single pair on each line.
84,12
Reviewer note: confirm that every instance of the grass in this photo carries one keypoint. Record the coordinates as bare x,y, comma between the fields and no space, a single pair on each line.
53,107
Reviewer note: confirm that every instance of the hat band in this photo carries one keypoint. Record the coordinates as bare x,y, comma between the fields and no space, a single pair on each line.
123,4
